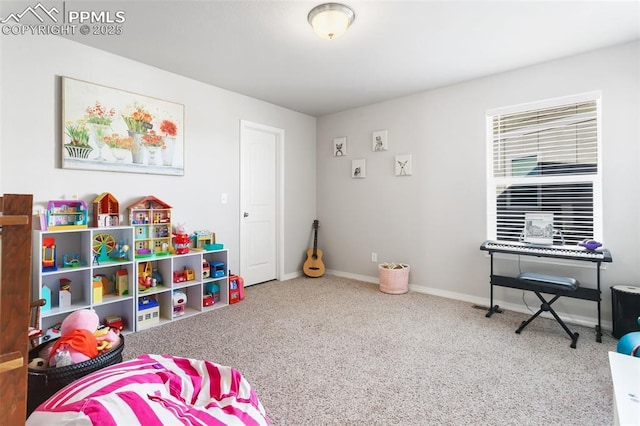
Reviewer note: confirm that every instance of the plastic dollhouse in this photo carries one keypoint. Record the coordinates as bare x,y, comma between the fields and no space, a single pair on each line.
151,221
148,312
66,214
105,211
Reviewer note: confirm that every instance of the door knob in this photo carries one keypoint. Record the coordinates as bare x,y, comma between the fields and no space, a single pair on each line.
245,214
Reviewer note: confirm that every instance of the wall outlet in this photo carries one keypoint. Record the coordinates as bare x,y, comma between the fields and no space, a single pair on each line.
374,257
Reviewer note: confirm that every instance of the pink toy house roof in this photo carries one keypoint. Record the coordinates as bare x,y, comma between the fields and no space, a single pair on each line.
149,202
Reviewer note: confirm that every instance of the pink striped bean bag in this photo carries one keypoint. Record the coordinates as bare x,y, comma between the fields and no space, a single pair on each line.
155,390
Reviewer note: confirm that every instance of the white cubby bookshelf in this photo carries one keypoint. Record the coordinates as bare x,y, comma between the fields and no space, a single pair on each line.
80,247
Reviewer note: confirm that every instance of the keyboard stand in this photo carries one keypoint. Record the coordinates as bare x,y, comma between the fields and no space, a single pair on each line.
583,293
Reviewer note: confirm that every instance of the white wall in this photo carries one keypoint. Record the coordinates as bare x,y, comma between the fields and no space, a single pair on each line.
31,131
435,220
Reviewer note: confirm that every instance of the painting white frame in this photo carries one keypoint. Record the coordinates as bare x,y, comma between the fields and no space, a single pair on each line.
359,168
165,158
403,166
380,140
340,147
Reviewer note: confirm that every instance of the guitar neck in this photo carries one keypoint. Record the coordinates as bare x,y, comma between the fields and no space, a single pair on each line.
315,242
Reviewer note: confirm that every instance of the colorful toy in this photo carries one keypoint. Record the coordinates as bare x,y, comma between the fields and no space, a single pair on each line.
179,276
148,312
151,219
106,211
185,275
157,277
207,299
214,290
206,269
217,269
114,322
236,289
121,252
66,214
179,302
52,332
146,278
78,342
72,260
97,289
181,240
203,239
629,344
103,246
122,282
181,243
46,295
49,254
105,342
65,293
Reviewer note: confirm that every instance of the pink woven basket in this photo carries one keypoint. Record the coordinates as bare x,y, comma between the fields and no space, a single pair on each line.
394,280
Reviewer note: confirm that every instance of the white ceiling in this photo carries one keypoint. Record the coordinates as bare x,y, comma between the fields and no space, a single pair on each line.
267,50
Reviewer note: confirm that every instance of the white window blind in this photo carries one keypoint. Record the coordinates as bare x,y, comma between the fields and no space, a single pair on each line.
546,160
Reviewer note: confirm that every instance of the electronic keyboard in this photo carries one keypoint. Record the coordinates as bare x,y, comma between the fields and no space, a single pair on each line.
559,252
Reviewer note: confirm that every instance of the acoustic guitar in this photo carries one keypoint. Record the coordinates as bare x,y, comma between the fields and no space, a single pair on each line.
313,266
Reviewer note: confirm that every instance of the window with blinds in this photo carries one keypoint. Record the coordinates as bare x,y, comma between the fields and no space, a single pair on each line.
546,160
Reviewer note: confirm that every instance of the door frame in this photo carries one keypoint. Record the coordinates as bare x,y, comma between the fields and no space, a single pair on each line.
279,201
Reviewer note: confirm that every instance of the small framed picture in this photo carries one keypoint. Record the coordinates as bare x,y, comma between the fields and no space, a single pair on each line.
403,165
359,169
340,147
379,140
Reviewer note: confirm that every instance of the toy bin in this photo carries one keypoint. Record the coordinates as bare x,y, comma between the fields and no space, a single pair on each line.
625,303
394,278
42,383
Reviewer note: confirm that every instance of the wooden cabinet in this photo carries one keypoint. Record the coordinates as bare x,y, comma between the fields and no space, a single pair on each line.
15,275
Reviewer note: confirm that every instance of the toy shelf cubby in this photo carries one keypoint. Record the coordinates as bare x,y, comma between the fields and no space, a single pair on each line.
86,260
182,273
217,278
69,260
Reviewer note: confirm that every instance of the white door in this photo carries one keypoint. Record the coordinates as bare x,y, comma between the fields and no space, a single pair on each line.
260,148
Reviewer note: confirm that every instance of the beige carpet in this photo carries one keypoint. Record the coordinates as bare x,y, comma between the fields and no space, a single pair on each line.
334,351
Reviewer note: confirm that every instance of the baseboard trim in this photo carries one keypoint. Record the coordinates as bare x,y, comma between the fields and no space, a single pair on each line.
481,301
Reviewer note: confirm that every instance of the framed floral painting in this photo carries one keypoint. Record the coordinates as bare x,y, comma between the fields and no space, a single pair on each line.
114,130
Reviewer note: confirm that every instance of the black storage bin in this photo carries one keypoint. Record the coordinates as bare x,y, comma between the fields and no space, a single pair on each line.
625,301
42,384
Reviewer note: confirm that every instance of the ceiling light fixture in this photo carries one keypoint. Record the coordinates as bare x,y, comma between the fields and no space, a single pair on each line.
331,20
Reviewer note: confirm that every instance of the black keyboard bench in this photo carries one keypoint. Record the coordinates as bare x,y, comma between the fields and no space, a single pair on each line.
541,283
